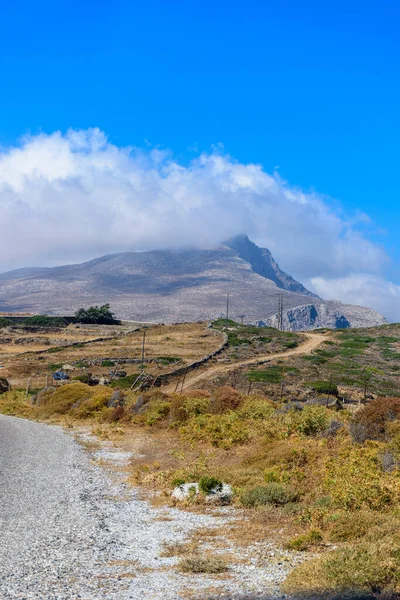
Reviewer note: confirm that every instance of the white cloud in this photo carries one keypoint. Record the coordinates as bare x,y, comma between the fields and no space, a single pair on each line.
363,289
72,197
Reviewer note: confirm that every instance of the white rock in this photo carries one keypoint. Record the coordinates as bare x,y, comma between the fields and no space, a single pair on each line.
223,495
217,496
185,490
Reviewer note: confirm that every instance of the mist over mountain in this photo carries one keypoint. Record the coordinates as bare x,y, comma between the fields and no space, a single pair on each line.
180,285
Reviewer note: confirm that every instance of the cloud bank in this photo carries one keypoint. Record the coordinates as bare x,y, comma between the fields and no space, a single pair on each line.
69,198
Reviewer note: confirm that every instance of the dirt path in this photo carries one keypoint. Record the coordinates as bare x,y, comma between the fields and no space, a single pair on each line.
313,341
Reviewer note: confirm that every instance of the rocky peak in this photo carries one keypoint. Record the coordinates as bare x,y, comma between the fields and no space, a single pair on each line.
263,263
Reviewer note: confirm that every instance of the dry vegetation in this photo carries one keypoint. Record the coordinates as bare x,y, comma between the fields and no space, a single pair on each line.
319,480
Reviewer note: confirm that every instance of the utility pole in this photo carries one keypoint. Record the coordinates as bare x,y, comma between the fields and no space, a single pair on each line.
280,312
143,342
227,311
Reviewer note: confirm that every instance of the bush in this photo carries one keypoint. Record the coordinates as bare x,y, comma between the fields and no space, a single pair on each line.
312,420
101,315
5,322
108,363
225,398
305,541
222,431
371,421
185,407
354,481
269,375
350,572
324,387
157,411
272,493
45,321
209,484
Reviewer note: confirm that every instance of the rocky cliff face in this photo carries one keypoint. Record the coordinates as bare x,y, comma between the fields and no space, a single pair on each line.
177,286
263,263
330,314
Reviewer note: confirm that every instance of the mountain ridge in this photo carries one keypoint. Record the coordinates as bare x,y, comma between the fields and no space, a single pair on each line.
175,286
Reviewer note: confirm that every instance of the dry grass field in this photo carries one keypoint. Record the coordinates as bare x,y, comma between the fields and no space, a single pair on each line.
35,355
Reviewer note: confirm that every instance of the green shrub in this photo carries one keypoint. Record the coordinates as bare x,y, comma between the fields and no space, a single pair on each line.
305,541
324,387
5,322
157,411
269,375
272,493
312,420
45,321
108,363
209,484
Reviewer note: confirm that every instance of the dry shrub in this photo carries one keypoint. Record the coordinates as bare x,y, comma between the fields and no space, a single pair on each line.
117,414
354,481
15,403
350,572
371,421
97,401
224,399
353,526
305,541
203,564
78,399
184,407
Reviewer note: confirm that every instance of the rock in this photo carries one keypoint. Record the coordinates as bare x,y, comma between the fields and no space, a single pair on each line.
329,401
43,395
298,406
334,427
117,399
185,491
4,385
221,495
140,406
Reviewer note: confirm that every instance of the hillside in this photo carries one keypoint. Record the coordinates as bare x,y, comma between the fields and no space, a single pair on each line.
178,286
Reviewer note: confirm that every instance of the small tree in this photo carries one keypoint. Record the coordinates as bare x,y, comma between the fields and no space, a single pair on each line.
100,315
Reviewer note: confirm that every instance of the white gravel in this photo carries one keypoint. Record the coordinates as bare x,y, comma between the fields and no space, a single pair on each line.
71,529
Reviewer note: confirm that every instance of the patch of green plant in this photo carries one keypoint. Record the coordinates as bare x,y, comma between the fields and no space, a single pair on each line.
209,484
54,366
323,387
305,541
269,375
108,363
81,364
5,322
124,383
272,493
55,349
168,360
45,321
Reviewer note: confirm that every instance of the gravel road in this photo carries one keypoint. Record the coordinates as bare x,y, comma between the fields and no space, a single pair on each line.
70,529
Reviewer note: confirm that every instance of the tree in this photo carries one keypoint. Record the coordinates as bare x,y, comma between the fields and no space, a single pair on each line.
100,315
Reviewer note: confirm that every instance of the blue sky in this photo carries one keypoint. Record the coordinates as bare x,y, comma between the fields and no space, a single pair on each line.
309,88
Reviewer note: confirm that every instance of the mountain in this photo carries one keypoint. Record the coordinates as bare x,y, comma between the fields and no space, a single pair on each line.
178,285
263,263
